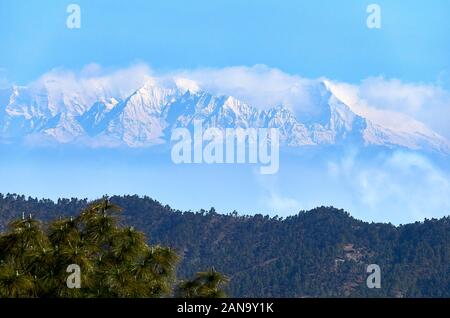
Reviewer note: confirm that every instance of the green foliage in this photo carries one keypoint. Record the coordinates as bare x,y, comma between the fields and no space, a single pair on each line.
205,285
115,260
318,253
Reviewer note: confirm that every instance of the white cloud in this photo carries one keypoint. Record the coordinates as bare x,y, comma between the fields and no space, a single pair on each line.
404,97
271,199
282,205
391,101
259,85
388,100
93,80
401,181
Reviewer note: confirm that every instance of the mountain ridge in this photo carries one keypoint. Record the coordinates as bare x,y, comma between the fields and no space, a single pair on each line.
148,115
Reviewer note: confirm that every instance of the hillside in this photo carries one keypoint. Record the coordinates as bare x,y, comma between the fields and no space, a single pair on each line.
317,253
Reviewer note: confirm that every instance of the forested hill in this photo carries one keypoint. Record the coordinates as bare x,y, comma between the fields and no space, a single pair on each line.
322,252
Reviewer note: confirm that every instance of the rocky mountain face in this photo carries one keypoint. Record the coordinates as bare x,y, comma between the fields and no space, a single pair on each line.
54,113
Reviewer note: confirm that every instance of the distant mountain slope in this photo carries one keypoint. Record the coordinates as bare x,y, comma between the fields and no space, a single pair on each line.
322,252
53,112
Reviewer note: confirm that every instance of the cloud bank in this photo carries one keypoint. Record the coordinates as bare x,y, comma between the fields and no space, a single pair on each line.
399,181
427,103
265,87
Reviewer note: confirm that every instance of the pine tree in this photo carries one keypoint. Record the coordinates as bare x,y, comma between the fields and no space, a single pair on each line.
115,261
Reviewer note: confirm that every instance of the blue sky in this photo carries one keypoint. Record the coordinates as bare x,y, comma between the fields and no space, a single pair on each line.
310,38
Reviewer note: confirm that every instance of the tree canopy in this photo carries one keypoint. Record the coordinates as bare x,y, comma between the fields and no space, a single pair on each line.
114,260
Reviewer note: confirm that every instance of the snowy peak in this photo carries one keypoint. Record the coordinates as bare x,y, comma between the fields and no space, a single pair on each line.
149,114
330,121
151,98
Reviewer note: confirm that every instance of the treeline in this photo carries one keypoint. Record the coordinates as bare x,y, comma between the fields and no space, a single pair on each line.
317,253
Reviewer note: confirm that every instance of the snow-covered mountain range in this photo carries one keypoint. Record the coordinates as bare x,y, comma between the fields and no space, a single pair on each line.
54,113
